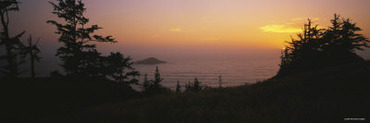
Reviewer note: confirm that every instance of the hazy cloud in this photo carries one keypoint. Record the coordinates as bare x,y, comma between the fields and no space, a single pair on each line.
280,28
302,19
175,29
210,39
291,27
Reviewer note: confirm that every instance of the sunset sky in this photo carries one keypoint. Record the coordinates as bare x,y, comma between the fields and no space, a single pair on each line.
199,24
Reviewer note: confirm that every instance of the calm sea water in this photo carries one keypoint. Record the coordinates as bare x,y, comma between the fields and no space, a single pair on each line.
235,68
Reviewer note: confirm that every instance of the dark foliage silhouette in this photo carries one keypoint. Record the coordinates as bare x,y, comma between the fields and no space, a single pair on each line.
33,53
14,48
153,87
146,82
342,37
178,87
194,86
78,54
120,69
326,95
316,48
220,81
157,78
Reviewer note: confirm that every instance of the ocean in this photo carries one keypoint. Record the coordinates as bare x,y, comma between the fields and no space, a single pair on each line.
234,67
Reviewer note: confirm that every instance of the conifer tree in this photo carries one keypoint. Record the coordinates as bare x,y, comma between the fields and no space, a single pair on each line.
157,78
154,86
14,53
78,54
33,53
178,87
317,48
342,37
146,82
194,86
120,69
220,81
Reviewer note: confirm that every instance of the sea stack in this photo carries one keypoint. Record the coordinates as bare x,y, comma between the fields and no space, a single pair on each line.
150,61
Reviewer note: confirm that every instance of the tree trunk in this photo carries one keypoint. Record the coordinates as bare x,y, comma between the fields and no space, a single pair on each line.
12,65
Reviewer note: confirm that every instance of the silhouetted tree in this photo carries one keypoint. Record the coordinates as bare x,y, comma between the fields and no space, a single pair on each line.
305,48
195,86
157,78
146,82
178,87
78,54
153,87
33,52
120,69
343,37
220,81
316,47
155,84
13,46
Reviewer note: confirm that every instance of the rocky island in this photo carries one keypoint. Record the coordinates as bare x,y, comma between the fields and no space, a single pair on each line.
150,61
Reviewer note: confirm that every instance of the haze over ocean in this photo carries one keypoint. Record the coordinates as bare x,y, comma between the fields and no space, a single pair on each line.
235,67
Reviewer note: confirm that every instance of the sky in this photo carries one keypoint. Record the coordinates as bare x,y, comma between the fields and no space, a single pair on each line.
168,25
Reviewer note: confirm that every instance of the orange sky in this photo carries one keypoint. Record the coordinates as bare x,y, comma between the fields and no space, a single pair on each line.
208,24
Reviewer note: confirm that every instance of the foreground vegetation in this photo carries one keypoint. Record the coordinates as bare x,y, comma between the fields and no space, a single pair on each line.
28,99
325,95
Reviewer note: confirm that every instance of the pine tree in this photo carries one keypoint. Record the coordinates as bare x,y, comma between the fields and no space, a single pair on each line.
33,52
316,48
152,87
78,54
13,46
343,37
146,83
178,87
157,78
188,87
220,81
194,86
120,69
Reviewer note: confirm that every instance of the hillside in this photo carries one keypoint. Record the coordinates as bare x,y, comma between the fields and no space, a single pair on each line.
27,99
326,95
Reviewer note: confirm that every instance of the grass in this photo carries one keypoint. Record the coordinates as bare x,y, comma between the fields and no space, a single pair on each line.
325,95
27,99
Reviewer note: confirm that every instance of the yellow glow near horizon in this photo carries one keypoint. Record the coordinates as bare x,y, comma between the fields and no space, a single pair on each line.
175,29
280,29
214,24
